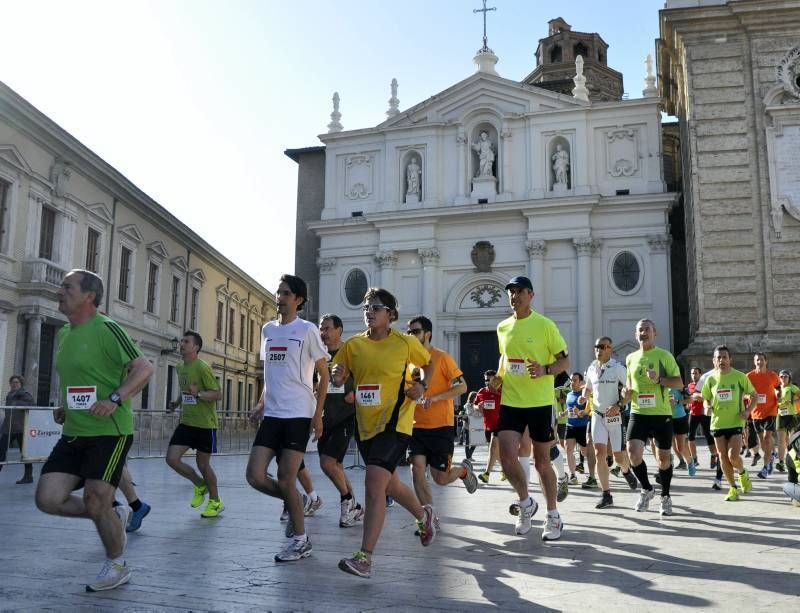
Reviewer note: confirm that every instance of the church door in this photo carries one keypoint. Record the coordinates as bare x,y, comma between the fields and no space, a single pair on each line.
479,353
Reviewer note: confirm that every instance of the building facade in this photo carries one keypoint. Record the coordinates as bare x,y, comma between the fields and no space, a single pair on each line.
444,202
63,207
730,71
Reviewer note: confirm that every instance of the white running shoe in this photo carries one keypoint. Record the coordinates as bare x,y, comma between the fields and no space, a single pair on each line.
645,496
311,506
553,526
111,575
295,549
351,512
666,506
523,524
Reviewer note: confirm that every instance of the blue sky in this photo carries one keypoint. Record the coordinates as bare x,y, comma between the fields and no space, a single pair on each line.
195,101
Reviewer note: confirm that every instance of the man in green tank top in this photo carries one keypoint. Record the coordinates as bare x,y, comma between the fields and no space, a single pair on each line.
99,368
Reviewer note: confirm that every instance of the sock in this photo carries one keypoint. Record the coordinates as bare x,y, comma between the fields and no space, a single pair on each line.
301,537
116,503
136,505
557,459
526,503
719,472
526,467
214,499
347,496
606,493
666,479
120,560
313,495
552,513
641,474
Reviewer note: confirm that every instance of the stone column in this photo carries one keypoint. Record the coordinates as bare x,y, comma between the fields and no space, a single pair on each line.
662,292
430,260
461,153
537,249
451,343
33,343
328,300
586,248
506,177
386,261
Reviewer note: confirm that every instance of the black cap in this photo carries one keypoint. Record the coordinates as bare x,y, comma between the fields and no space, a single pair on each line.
520,282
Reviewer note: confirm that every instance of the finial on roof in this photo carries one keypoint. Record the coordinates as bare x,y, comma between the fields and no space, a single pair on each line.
394,102
335,125
650,90
579,91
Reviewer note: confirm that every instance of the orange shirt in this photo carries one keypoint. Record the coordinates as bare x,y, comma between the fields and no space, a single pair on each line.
765,384
442,412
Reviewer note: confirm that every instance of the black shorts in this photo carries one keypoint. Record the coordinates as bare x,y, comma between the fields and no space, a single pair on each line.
578,433
488,435
278,433
642,427
765,425
680,425
727,433
336,439
385,449
538,420
787,423
90,457
562,431
695,421
436,444
202,439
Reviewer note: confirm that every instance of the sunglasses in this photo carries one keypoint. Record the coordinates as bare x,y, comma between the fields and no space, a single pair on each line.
414,331
602,346
374,308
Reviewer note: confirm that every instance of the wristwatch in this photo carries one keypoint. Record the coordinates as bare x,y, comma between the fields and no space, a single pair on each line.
547,369
115,398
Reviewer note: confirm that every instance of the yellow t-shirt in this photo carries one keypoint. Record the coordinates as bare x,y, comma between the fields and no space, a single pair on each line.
442,412
378,369
534,338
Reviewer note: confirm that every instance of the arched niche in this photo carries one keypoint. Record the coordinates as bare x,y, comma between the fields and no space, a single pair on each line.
412,165
477,293
559,165
475,141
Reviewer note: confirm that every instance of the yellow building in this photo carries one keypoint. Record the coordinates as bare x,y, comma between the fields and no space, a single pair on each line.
63,207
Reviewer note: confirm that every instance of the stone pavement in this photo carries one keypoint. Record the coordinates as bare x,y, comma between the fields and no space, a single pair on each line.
711,554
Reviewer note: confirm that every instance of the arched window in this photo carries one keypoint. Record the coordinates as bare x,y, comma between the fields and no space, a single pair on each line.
555,54
580,49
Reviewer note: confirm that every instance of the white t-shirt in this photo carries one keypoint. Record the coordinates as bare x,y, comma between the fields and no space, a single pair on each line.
603,381
289,353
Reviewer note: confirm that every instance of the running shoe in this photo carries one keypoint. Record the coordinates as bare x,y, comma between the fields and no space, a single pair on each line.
295,549
792,490
615,471
135,522
123,511
351,512
523,524
285,513
579,468
470,480
563,490
589,484
763,473
311,506
213,508
503,476
199,495
111,575
513,508
645,496
631,480
747,455
696,463
771,465
756,458
681,465
426,527
359,565
606,501
691,468
573,480
484,477
552,529
733,495
609,461
744,481
389,502
713,463
717,485
666,506
779,466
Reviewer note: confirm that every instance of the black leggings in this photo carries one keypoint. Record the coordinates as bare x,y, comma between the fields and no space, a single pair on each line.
697,420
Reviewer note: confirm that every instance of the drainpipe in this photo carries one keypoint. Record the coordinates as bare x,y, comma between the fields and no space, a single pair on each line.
111,252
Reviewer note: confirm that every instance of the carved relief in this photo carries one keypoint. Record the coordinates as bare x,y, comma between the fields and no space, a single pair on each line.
586,245
358,177
429,255
789,72
59,175
326,264
386,259
485,295
482,255
622,153
537,248
658,243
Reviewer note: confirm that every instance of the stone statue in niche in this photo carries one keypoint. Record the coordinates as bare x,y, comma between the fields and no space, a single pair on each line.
561,167
413,175
485,151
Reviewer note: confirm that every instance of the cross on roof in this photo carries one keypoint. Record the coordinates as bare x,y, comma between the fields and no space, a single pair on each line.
484,10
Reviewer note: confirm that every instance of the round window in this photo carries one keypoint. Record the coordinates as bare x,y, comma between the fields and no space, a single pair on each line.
355,286
625,271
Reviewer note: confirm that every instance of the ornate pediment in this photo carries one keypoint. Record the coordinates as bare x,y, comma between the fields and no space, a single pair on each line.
199,276
158,250
99,210
10,154
179,262
132,232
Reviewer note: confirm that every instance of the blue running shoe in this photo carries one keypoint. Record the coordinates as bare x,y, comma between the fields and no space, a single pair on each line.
389,501
692,468
135,521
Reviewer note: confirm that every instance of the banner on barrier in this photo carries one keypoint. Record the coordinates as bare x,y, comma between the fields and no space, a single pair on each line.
41,435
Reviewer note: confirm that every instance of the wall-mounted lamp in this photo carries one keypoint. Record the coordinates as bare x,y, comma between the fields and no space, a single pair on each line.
173,346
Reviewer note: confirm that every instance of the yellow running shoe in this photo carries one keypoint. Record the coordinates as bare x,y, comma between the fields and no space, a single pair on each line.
199,496
733,495
213,508
744,480
503,476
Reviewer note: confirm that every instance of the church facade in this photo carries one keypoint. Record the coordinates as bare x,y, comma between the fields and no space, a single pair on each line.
444,202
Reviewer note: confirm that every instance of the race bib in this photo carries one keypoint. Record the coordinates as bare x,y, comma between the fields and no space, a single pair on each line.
276,356
335,389
762,398
368,395
783,412
488,405
613,421
516,366
647,401
187,398
81,398
724,395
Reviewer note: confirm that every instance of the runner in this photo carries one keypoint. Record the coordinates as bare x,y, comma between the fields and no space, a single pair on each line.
292,351
488,403
727,392
698,418
99,368
787,415
577,423
765,413
604,379
139,509
378,361
791,487
680,428
199,392
651,372
432,437
532,351
338,425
